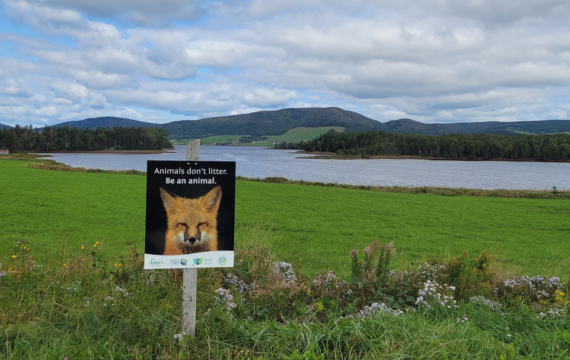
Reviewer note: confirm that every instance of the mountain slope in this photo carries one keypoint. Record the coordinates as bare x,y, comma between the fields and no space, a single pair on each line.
278,122
271,123
107,121
2,126
407,126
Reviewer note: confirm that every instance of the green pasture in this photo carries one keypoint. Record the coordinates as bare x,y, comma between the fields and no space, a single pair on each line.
303,134
293,135
315,227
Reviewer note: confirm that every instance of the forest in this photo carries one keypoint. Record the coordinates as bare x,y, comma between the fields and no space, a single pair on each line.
65,138
555,147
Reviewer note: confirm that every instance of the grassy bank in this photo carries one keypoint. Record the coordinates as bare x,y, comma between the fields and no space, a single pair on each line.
72,283
93,309
317,226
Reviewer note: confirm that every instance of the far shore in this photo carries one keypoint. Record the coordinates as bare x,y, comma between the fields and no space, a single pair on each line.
134,152
332,156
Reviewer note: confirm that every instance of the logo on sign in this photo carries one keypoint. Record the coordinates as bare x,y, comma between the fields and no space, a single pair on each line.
154,262
222,260
183,262
197,261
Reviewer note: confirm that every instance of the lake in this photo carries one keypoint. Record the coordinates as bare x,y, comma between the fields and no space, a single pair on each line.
255,162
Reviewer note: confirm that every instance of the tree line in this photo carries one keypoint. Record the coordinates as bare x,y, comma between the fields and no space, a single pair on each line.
26,138
471,146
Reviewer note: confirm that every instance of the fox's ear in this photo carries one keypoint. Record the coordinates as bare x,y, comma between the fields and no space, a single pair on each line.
211,201
168,199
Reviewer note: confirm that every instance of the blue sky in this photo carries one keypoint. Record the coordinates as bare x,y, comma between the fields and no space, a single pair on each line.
434,61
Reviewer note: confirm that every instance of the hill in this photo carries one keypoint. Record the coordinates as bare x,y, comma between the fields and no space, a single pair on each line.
278,122
2,126
264,123
408,126
107,121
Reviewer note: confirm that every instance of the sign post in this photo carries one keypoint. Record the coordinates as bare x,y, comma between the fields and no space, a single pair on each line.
190,220
190,276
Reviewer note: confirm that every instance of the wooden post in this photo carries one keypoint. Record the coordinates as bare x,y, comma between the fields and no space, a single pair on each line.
190,276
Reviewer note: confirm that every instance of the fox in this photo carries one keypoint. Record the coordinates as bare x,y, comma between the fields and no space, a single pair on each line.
192,223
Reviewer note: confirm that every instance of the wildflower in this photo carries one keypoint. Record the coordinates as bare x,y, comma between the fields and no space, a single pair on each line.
63,250
224,299
64,264
285,269
28,249
239,285
115,264
13,256
179,337
376,309
94,245
82,247
3,273
120,265
492,305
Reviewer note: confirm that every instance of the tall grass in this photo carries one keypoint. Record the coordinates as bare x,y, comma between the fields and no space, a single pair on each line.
94,309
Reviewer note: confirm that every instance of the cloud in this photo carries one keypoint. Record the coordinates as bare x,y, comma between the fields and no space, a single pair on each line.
140,12
432,60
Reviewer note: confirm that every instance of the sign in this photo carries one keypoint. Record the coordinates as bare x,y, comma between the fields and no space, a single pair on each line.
190,214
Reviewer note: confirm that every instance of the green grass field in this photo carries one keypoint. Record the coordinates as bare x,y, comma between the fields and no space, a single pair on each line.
303,133
293,135
107,307
316,227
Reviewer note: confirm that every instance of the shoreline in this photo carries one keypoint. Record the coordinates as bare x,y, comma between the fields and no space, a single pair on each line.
133,152
332,156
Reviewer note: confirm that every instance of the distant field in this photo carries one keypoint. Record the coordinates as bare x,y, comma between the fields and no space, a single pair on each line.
293,135
303,133
520,132
316,226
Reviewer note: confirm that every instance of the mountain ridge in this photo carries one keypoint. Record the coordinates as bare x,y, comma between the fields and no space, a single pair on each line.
278,122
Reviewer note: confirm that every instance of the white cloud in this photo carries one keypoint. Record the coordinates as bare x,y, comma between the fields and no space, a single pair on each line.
432,60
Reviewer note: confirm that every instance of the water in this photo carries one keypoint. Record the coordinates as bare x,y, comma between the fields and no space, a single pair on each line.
259,163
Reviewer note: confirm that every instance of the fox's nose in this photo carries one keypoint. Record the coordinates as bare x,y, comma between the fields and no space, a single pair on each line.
192,239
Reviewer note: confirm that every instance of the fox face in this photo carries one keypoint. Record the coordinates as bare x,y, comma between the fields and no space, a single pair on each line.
192,223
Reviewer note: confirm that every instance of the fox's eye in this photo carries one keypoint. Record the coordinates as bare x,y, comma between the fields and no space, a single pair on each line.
202,223
181,224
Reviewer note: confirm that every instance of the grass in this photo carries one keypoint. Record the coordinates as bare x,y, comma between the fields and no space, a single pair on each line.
303,134
293,135
318,226
85,305
81,311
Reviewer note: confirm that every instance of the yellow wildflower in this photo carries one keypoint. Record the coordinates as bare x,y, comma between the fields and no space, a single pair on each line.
95,245
82,247
97,242
64,264
115,264
13,256
120,265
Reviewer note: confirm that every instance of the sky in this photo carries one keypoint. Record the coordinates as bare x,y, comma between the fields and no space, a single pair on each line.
434,61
